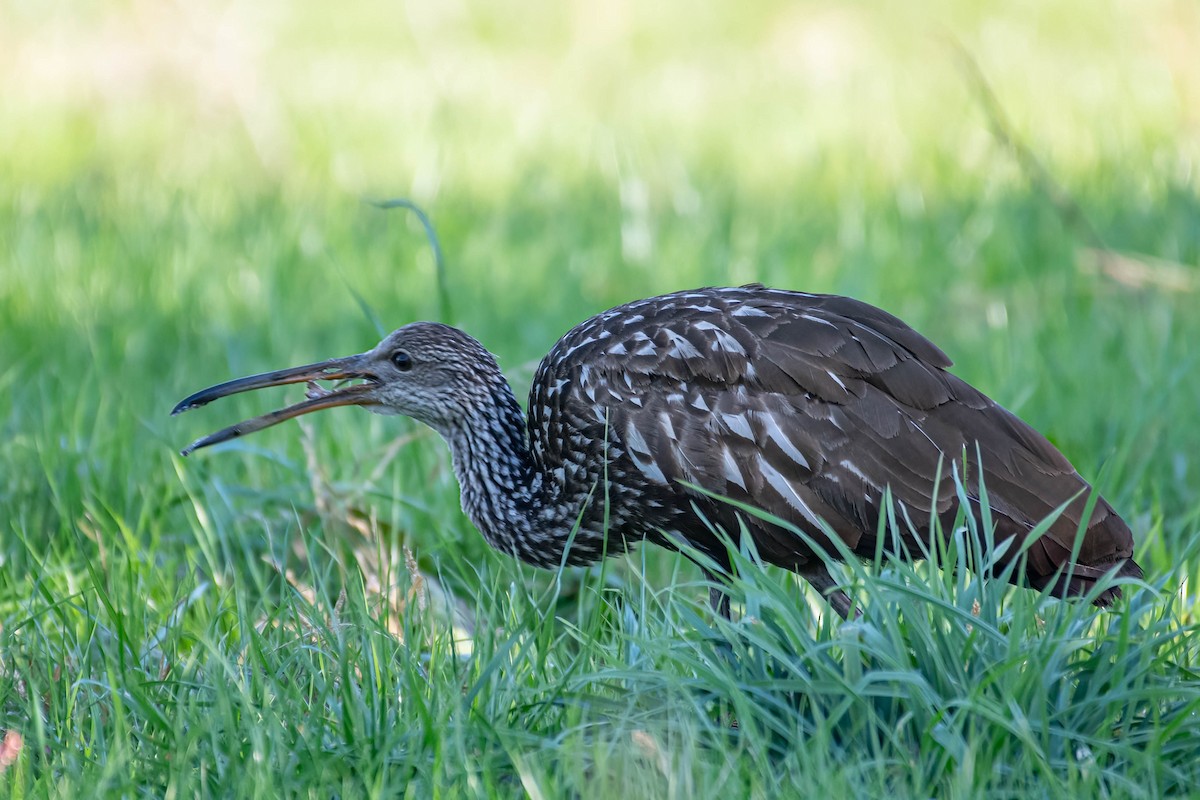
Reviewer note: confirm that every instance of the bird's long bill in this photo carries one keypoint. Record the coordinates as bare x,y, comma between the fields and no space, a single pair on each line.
334,369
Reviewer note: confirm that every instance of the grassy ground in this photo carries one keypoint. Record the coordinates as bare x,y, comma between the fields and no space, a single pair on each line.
307,613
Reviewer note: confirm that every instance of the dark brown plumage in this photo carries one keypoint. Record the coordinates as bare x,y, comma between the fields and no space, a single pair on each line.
806,406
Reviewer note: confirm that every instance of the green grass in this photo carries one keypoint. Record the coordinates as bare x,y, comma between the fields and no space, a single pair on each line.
307,613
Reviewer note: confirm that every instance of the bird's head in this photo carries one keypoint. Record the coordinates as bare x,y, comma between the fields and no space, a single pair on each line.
431,372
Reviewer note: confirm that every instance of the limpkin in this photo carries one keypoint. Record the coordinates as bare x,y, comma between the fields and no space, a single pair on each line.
643,418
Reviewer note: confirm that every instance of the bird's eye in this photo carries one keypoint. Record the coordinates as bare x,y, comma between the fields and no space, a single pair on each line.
402,360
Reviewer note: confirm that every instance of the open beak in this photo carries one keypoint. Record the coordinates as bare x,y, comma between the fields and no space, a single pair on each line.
349,368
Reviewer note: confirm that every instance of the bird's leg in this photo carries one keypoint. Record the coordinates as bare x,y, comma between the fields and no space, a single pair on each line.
718,598
817,574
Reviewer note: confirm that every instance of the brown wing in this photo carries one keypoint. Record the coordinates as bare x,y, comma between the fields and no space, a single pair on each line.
809,406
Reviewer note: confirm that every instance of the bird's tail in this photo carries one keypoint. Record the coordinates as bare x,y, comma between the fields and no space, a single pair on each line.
1080,580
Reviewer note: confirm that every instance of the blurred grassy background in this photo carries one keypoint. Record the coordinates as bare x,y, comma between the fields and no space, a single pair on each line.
181,201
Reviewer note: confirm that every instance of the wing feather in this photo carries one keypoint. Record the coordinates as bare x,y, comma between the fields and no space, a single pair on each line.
812,406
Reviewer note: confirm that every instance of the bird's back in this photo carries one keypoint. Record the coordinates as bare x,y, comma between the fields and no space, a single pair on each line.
808,407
